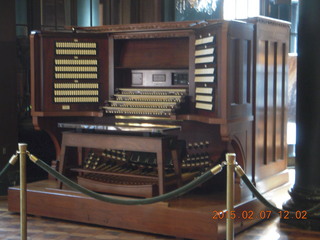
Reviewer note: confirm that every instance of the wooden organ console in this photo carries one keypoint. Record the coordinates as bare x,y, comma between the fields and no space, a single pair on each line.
151,106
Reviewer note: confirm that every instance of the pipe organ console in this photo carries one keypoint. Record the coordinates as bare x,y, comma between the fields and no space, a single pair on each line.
200,90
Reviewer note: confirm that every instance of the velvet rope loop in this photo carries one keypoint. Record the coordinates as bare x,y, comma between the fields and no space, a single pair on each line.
265,202
10,163
175,193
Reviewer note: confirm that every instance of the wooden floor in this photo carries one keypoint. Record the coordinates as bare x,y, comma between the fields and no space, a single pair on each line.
44,228
40,228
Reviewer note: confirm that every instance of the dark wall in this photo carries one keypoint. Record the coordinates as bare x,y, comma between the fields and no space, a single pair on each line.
8,110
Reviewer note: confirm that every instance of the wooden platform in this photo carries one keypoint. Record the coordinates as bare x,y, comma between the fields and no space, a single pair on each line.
190,216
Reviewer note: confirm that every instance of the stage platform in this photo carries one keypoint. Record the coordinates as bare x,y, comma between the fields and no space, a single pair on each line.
190,216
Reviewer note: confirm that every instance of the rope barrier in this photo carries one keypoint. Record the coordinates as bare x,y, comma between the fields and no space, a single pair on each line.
263,200
175,193
4,170
231,163
9,164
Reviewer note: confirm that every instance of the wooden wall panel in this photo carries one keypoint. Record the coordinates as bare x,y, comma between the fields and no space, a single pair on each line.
270,90
269,103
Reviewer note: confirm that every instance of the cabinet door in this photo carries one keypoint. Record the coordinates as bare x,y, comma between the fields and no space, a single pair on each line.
270,81
69,72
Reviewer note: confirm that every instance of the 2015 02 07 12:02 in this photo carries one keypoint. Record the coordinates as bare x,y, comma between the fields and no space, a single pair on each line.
251,215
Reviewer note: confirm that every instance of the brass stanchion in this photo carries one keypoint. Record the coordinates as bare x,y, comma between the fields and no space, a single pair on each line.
23,191
231,161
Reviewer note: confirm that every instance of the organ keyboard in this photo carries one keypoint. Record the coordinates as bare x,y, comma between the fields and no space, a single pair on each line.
206,88
135,101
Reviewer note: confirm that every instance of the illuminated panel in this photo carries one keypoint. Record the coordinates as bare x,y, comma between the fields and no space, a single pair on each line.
204,98
204,106
72,62
209,59
76,48
76,52
204,72
76,73
76,85
75,69
206,51
76,76
204,79
205,40
73,99
76,44
76,92
204,90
